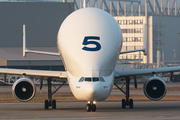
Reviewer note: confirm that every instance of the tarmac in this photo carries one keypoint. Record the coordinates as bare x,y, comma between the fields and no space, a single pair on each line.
148,110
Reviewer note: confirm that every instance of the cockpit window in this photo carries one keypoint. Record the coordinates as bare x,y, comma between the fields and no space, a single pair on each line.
81,79
95,79
88,79
102,79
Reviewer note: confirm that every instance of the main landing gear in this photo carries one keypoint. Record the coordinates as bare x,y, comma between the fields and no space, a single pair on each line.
51,102
91,107
127,101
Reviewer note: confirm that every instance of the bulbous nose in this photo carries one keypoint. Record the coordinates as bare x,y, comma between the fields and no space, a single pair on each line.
93,91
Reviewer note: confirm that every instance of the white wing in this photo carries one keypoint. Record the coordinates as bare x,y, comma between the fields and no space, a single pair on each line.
38,73
137,72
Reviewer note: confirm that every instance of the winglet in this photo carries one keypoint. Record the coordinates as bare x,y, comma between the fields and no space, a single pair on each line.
24,40
25,50
145,41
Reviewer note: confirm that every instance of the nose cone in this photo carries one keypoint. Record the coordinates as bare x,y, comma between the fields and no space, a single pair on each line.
93,92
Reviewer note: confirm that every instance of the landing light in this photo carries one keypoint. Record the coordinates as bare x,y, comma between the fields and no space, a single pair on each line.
88,102
94,102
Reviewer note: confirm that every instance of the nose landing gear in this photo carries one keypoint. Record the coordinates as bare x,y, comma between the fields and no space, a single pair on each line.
91,107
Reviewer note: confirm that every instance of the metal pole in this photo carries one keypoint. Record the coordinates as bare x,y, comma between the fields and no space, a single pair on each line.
139,56
161,6
146,22
111,7
175,7
80,4
174,52
168,7
158,58
163,58
95,3
88,2
155,6
124,8
178,45
4,76
139,9
132,9
118,8
103,5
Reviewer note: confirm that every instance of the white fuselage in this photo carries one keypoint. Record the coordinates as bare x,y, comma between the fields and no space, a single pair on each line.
90,41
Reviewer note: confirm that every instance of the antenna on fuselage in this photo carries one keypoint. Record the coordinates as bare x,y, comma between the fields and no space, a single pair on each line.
84,4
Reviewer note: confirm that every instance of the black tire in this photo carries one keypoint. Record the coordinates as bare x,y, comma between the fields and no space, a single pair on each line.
93,107
88,107
131,103
123,103
54,104
46,104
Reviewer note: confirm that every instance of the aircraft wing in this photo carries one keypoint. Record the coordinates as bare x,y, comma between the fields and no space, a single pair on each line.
36,73
139,72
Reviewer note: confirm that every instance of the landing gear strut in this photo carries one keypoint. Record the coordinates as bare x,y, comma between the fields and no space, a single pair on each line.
51,102
127,101
91,107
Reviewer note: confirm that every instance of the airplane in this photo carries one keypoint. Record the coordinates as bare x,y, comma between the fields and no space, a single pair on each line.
89,42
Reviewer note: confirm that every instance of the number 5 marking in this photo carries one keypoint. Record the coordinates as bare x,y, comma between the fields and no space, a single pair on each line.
87,42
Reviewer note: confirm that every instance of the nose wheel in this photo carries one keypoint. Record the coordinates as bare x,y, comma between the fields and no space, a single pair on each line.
91,107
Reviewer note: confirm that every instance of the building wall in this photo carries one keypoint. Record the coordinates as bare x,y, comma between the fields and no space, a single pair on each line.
169,27
162,35
42,20
3,62
133,36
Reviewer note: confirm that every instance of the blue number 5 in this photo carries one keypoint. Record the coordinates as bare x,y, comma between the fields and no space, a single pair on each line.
87,42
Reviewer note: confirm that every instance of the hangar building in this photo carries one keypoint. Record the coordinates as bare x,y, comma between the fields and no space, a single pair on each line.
42,20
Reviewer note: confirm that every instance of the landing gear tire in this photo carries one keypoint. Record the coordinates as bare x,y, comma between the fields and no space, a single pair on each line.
88,107
130,103
54,104
93,107
46,104
123,103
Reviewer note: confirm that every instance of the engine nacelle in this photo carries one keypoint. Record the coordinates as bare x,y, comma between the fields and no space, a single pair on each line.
23,89
155,88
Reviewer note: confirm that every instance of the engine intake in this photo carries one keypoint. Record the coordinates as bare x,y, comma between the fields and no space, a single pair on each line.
155,88
23,90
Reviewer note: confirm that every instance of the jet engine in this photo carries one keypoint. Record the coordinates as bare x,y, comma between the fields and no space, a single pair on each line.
155,88
23,89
